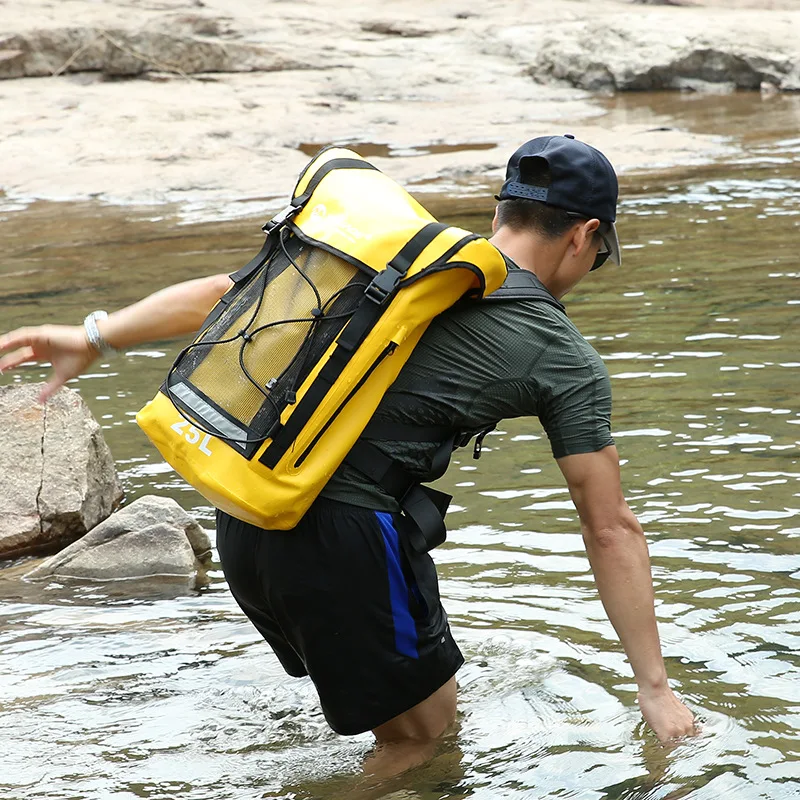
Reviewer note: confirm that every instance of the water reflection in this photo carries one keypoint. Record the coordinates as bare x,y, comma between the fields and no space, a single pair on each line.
114,691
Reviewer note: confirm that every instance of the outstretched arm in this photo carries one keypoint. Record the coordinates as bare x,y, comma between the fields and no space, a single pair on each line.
175,311
620,562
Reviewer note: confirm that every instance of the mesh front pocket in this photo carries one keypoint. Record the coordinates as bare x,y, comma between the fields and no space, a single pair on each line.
249,363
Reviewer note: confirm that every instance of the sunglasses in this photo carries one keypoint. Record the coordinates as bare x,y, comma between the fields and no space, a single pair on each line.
603,253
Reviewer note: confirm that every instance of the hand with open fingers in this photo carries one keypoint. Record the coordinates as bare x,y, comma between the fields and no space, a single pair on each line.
668,717
64,346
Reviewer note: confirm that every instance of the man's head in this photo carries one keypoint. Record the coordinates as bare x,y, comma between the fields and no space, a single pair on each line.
561,189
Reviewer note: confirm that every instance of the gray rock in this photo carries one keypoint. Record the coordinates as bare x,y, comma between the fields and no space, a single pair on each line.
177,46
57,476
791,82
153,536
398,27
157,550
637,56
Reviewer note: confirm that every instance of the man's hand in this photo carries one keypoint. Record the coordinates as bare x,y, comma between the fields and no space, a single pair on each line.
666,714
64,346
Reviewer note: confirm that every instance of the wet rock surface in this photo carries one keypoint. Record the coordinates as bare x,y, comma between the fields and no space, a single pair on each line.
57,475
153,536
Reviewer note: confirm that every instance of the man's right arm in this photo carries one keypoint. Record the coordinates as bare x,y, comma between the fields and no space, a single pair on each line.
175,311
620,562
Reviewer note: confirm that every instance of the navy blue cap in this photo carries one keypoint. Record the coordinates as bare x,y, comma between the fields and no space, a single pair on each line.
582,181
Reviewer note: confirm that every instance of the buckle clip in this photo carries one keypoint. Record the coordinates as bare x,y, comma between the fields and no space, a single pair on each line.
478,448
280,219
383,285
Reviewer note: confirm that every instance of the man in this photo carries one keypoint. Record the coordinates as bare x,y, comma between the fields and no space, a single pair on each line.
342,597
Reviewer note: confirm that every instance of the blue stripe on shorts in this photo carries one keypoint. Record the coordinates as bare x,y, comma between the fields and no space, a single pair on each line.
405,629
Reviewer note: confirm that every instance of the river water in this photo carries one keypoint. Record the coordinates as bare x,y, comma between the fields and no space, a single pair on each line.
133,691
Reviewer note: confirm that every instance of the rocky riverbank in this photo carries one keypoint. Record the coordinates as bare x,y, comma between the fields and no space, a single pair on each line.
207,101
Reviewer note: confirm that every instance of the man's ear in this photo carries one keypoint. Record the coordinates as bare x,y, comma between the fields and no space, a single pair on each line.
495,223
583,234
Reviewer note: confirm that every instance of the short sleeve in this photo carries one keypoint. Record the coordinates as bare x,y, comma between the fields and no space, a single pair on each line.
574,396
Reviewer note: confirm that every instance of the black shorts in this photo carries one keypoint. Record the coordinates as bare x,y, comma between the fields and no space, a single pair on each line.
342,599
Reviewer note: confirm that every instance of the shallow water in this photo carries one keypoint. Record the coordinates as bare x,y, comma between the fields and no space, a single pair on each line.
153,691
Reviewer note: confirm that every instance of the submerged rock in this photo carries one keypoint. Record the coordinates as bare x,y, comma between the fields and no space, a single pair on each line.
57,476
153,536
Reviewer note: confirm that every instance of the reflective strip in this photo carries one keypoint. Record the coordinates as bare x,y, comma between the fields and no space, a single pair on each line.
209,414
405,629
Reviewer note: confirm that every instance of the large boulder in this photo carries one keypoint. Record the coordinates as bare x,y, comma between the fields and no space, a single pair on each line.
655,50
153,536
57,476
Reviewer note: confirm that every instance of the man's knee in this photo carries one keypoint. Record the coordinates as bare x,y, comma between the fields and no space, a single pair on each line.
425,721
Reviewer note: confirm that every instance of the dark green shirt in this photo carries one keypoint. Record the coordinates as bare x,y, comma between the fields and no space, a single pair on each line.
482,363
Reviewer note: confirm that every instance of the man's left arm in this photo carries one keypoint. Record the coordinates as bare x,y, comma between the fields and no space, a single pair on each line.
620,562
177,310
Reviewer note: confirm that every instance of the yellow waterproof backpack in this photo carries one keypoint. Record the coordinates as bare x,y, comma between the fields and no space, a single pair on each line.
259,411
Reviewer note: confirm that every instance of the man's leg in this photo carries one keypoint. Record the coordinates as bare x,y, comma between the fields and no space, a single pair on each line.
354,611
409,739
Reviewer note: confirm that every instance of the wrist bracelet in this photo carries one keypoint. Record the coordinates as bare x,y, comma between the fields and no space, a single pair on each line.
94,336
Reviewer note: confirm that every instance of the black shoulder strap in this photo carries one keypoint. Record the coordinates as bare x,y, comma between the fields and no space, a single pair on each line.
520,284
423,506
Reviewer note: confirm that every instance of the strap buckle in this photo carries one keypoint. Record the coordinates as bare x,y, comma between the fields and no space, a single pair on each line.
478,448
383,285
281,218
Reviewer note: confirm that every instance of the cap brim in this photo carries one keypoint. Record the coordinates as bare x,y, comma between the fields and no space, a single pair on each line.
615,252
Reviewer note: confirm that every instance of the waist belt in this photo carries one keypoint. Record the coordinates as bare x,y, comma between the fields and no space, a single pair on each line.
424,506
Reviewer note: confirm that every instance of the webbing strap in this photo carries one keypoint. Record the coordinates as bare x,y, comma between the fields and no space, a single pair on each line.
413,248
254,263
284,435
329,166
239,277
520,284
369,310
425,507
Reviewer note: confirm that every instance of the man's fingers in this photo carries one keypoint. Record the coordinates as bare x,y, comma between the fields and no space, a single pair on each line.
667,715
16,358
676,732
49,389
22,337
